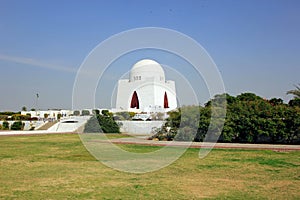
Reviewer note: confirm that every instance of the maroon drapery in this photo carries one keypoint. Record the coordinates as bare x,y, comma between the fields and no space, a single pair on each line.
166,102
135,101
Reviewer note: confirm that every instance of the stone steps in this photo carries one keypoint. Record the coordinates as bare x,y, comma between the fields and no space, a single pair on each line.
47,125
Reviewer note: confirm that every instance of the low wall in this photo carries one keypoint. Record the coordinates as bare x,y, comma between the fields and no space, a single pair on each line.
28,124
70,127
139,127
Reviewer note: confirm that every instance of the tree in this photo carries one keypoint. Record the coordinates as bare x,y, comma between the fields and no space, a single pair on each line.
295,92
294,102
276,101
249,119
24,108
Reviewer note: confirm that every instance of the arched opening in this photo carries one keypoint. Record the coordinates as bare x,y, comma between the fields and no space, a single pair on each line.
135,101
166,102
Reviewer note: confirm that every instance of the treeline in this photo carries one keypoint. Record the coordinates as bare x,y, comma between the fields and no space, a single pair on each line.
248,119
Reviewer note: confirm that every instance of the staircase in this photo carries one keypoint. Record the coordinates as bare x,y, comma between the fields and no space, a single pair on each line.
47,125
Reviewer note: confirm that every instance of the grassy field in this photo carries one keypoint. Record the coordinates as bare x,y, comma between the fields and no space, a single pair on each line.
59,167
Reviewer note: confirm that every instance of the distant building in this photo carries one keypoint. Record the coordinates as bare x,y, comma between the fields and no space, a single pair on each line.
146,90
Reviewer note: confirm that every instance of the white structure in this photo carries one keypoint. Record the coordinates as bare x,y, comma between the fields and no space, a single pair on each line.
146,90
51,114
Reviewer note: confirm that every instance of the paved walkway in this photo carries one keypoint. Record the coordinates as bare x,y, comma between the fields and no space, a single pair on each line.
143,141
39,132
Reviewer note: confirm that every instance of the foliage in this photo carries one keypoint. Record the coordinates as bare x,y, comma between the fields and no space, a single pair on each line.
92,126
124,115
108,124
106,113
76,113
8,113
19,117
5,125
101,123
295,92
96,112
85,112
249,119
24,108
3,117
295,102
17,125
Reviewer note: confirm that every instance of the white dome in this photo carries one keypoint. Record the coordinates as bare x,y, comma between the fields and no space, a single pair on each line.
147,70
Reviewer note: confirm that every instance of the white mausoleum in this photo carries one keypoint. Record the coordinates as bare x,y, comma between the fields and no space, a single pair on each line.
146,90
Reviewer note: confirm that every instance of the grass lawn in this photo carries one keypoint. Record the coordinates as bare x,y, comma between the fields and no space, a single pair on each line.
59,167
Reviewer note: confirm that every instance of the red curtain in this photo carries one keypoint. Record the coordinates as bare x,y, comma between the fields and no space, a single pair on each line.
166,102
135,101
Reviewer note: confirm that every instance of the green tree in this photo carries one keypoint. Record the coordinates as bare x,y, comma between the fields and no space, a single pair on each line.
24,108
295,92
249,119
294,102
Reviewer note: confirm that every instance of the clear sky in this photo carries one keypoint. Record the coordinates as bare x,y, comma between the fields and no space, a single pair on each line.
255,43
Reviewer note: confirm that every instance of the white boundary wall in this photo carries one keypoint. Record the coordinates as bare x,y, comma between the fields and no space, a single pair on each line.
139,127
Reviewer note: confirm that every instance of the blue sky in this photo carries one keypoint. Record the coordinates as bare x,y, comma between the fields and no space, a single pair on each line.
255,43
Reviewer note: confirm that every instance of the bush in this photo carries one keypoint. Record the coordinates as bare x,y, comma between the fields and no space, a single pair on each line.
76,113
96,112
101,124
5,125
122,116
85,113
92,126
108,124
18,125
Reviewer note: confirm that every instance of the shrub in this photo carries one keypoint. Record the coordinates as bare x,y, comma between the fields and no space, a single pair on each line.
107,124
85,113
5,125
18,125
76,113
92,126
96,112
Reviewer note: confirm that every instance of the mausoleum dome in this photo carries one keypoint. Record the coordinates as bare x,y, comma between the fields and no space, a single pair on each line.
147,70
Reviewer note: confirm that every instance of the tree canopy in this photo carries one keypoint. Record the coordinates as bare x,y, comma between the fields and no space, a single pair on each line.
249,119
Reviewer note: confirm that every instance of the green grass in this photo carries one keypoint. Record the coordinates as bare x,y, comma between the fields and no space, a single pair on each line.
59,167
